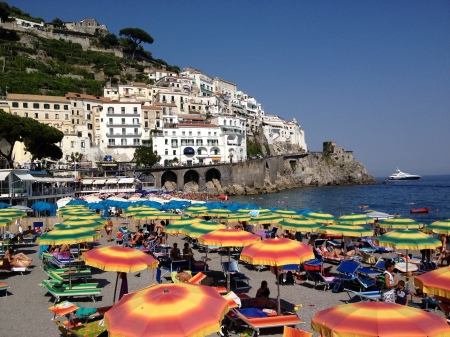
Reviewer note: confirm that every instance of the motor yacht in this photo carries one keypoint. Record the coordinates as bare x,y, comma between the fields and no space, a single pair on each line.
399,175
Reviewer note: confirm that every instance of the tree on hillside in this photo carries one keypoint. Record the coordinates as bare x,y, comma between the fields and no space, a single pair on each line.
41,141
144,155
5,11
58,23
12,129
136,36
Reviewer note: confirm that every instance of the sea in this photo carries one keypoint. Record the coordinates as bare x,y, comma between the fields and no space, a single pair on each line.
394,197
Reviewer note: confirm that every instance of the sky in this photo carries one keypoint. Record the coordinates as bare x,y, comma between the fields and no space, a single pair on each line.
373,76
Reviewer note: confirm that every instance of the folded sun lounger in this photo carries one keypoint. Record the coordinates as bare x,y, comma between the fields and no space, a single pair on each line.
59,293
265,322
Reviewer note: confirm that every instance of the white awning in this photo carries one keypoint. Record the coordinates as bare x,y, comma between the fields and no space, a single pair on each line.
126,181
87,181
4,174
53,180
111,181
99,181
24,176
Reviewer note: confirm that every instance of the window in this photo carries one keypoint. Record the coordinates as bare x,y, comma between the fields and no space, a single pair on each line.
166,152
36,115
111,131
136,131
122,109
124,132
112,142
15,104
74,104
135,110
166,141
56,107
166,133
83,144
146,124
89,107
199,133
88,116
174,133
35,105
190,133
26,114
123,141
72,144
56,116
46,106
46,116
136,141
110,121
66,117
174,152
66,107
123,121
110,110
25,105
183,133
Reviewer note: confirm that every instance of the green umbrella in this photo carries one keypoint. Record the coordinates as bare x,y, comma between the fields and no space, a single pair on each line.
92,227
5,222
345,230
286,213
355,219
176,226
399,223
299,225
320,217
439,227
84,221
158,215
12,214
266,219
68,236
407,239
200,228
236,217
84,215
261,211
218,212
132,210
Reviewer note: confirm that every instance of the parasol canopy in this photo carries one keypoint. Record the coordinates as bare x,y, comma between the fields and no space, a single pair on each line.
320,217
356,219
399,223
436,282
407,239
299,225
439,227
345,230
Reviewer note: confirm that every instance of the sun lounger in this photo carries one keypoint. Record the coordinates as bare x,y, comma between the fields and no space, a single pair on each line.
94,328
197,279
5,287
363,296
263,322
59,293
240,280
319,280
20,270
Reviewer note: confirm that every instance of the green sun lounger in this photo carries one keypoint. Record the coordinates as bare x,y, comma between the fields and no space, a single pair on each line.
65,277
59,293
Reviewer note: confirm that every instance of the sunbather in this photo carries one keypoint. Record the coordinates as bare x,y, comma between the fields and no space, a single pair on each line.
16,260
189,256
183,276
175,253
261,299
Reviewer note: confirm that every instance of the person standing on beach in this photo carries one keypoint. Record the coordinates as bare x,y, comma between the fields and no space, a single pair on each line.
108,229
388,293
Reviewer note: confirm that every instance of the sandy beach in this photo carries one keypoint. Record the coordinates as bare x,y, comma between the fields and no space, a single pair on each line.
25,310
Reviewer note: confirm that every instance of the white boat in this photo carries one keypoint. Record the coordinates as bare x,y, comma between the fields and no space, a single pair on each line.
399,175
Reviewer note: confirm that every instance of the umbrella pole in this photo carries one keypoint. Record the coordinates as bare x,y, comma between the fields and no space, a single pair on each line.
407,276
278,288
228,271
115,289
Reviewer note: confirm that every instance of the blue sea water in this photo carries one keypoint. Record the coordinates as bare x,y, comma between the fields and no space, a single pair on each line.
395,197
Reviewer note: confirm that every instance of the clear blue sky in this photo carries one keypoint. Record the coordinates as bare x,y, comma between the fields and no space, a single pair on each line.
374,76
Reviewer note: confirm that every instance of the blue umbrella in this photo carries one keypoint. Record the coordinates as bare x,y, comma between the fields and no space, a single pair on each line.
4,205
77,202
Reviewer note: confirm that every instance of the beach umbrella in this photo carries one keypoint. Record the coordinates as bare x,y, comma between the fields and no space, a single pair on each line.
228,238
176,309
286,213
299,225
378,319
132,210
218,212
254,212
236,217
439,227
200,228
345,230
356,219
155,216
84,215
12,214
407,239
5,222
436,282
83,221
93,226
277,252
120,260
195,210
399,223
4,205
176,226
265,219
320,217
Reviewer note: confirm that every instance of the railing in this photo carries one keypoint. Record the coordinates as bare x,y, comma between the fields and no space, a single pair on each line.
120,124
134,134
123,146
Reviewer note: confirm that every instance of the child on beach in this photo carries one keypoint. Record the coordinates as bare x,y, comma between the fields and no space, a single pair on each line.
401,293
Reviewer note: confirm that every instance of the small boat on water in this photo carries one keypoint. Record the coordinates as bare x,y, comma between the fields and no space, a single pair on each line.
399,175
420,210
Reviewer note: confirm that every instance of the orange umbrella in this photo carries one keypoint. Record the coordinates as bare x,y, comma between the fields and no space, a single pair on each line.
373,319
228,238
277,252
435,282
169,310
119,259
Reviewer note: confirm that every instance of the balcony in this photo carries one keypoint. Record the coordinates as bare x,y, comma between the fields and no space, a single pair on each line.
128,146
119,134
123,124
121,114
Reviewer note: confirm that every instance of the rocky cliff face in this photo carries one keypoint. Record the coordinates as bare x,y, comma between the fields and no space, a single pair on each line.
312,170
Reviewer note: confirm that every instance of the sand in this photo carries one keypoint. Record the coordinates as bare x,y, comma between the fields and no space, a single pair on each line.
25,310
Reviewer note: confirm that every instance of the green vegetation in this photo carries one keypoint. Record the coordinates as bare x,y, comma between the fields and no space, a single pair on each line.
253,149
145,156
39,139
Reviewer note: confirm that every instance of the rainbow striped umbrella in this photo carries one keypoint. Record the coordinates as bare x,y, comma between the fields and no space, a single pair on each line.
299,225
374,319
277,252
119,259
440,227
320,217
436,282
345,230
176,226
356,219
228,238
399,223
176,309
200,228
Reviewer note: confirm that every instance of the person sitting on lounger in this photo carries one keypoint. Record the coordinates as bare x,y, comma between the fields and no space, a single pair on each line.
339,253
189,256
16,260
136,237
183,276
262,297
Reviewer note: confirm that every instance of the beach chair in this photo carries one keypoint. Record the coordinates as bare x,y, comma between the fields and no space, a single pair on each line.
363,296
65,277
319,280
5,287
256,324
20,270
59,293
291,332
240,280
349,276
